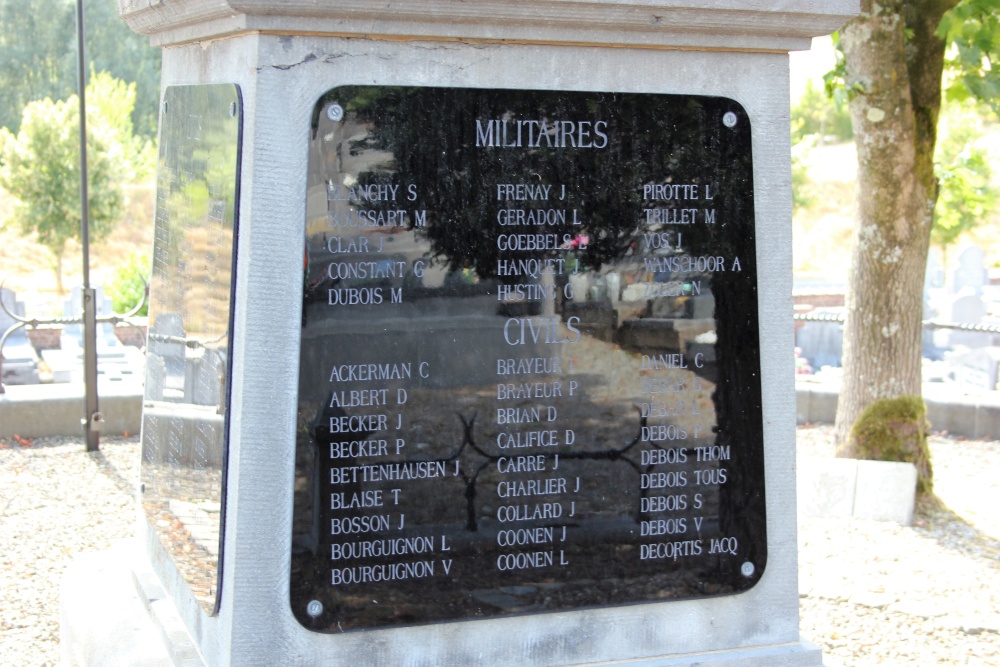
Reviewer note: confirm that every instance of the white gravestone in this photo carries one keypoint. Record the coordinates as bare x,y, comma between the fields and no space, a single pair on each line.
971,271
967,307
20,360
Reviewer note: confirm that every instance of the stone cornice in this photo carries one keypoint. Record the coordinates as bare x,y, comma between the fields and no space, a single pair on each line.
744,25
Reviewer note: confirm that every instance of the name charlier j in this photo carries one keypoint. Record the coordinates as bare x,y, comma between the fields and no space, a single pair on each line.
503,133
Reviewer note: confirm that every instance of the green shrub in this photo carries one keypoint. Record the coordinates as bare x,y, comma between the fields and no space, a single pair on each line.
128,287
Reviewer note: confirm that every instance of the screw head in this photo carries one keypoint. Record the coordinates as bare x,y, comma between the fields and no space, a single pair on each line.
747,569
335,112
232,109
314,608
729,119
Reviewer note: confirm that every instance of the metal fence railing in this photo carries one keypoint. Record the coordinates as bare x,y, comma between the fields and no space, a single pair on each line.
928,324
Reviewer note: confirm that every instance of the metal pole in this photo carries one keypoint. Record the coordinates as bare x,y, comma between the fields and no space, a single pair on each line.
92,415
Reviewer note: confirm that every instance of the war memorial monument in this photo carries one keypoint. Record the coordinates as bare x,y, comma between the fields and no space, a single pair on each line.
469,335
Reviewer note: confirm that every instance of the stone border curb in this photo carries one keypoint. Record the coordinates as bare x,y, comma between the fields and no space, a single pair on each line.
963,415
877,490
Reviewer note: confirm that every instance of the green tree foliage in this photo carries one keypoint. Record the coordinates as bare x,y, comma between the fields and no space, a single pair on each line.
111,102
112,47
38,52
822,115
965,198
972,28
39,166
35,49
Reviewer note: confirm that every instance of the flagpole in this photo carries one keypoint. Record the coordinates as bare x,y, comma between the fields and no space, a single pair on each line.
91,416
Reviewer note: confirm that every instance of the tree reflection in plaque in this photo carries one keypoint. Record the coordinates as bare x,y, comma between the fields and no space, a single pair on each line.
185,409
529,377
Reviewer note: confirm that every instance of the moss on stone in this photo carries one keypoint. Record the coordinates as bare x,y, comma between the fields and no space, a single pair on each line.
895,429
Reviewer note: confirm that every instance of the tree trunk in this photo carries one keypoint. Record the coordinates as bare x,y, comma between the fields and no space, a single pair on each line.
924,64
895,196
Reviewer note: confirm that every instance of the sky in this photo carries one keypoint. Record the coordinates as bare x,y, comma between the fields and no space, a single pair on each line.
812,64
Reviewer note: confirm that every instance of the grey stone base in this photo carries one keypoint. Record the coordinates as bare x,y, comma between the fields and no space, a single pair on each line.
114,614
878,490
799,654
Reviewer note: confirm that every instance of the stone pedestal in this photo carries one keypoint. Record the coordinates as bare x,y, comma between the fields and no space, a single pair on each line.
283,57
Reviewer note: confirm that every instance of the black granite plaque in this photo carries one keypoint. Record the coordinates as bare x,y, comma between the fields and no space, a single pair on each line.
185,409
530,374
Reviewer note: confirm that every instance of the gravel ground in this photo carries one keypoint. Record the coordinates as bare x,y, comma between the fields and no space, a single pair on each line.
56,502
871,593
874,593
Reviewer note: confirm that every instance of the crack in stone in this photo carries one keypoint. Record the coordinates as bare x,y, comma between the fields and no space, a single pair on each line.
309,58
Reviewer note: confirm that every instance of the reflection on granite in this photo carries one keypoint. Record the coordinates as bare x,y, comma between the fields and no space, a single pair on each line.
187,371
529,373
